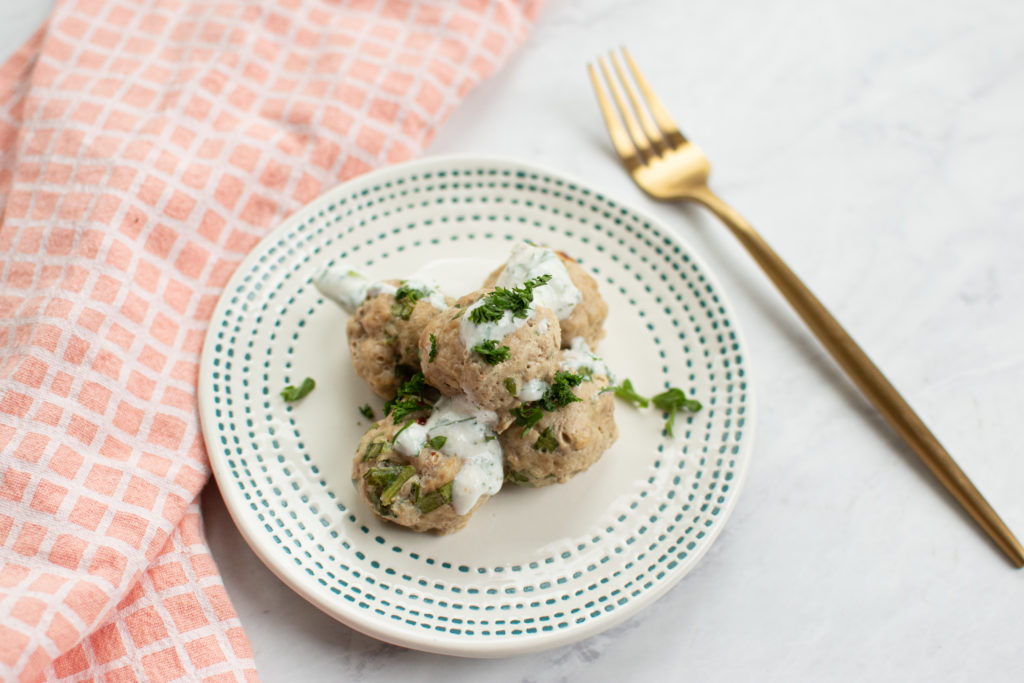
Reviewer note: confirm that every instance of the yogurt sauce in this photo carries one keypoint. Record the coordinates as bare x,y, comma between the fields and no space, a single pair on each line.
431,292
579,355
526,263
469,435
349,288
532,390
346,287
473,333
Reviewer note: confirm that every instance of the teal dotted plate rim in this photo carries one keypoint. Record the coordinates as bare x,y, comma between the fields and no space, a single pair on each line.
534,569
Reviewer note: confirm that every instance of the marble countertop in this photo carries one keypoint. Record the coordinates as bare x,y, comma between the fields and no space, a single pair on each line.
877,146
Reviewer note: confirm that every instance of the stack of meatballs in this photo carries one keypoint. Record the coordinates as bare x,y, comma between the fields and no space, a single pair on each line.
537,401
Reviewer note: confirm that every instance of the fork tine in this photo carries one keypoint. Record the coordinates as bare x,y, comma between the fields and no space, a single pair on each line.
643,145
648,125
665,122
620,137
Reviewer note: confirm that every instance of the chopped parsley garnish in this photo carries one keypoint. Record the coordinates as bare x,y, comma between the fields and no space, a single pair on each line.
433,348
405,300
438,442
672,401
516,300
410,398
510,386
558,395
546,442
626,392
366,411
491,352
290,393
527,415
435,499
404,407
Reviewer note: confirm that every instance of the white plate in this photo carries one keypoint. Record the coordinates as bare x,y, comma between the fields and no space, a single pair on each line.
535,568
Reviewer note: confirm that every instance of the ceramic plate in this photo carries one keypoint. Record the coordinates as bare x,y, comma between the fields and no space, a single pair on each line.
534,568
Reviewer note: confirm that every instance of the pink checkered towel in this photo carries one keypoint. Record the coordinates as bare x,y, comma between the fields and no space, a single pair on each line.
146,146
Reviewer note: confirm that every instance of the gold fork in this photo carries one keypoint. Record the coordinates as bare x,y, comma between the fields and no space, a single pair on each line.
667,166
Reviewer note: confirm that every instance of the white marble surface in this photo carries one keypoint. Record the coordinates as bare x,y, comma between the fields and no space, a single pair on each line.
878,146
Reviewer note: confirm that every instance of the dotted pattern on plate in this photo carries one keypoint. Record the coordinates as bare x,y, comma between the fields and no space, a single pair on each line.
362,571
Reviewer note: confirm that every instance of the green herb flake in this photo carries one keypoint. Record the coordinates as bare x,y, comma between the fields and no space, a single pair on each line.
405,300
435,499
366,411
671,401
405,407
375,449
491,352
290,393
527,415
547,442
410,398
518,478
387,496
626,392
383,476
510,386
433,348
560,393
438,442
516,300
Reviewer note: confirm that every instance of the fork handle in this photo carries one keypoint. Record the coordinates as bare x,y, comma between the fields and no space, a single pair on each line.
868,378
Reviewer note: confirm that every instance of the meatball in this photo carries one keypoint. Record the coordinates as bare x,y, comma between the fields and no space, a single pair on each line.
411,491
526,354
564,442
586,318
383,336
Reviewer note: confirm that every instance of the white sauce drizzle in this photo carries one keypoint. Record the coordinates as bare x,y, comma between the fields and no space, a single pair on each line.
469,435
432,293
473,333
528,262
342,285
349,288
411,440
532,390
579,355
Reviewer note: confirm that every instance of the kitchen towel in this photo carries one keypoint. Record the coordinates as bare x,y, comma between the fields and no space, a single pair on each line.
145,147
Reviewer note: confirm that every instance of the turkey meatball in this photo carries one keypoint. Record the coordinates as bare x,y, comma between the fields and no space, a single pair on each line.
383,333
571,292
489,361
565,441
433,469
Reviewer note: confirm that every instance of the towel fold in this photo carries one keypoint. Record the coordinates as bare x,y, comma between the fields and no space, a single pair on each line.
145,147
